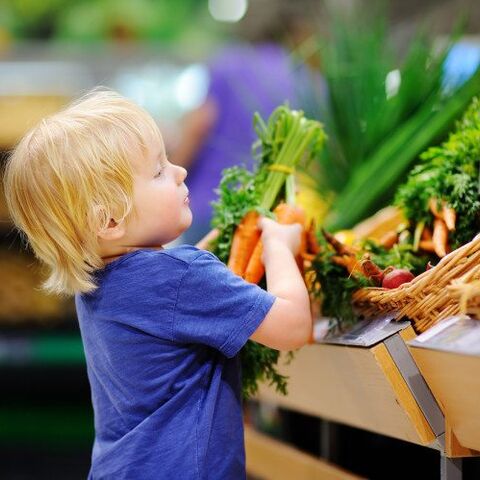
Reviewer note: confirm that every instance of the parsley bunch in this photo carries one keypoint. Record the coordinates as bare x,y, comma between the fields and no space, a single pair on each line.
449,172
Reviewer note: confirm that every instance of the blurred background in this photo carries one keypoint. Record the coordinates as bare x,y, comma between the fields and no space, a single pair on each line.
201,68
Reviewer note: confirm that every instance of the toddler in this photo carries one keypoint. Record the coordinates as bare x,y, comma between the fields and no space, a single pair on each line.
94,193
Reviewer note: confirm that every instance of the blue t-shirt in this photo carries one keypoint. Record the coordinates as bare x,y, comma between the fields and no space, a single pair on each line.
161,336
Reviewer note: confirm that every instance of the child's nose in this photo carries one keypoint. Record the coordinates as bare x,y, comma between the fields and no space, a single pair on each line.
181,174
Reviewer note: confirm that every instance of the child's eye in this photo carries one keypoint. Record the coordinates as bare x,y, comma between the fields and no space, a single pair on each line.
159,173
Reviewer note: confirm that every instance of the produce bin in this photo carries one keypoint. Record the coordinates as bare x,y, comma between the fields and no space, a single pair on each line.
448,355
376,387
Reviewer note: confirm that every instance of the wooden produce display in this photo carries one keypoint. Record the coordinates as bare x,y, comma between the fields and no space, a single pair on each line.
376,388
454,379
269,459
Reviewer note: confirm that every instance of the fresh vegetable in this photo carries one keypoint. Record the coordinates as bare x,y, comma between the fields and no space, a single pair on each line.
287,215
381,110
397,277
440,202
311,238
341,270
237,197
389,239
449,217
246,237
444,213
444,186
371,270
440,237
285,140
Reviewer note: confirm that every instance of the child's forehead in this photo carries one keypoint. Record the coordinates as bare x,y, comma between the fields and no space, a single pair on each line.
151,153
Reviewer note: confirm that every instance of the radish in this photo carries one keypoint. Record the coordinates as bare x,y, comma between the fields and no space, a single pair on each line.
397,277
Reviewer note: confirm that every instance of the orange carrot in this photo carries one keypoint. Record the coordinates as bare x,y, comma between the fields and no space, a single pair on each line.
255,268
287,215
339,247
371,270
433,204
426,234
389,239
440,237
312,242
244,240
349,262
449,216
426,245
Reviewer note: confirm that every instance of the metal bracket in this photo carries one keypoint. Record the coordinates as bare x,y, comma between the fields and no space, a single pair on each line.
419,388
450,468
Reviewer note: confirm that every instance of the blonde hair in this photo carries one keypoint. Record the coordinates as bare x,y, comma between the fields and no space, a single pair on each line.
69,176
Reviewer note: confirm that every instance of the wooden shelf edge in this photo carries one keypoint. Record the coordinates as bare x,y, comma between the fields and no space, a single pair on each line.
403,394
270,459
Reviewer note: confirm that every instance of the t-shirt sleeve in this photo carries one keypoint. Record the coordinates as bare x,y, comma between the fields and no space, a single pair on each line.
215,307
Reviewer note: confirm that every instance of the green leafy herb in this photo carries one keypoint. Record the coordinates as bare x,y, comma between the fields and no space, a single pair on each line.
399,256
236,196
337,286
449,173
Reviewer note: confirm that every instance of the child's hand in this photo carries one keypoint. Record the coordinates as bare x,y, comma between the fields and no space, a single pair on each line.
274,234
288,324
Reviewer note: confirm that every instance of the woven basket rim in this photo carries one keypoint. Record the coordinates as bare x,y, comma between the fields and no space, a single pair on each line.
431,272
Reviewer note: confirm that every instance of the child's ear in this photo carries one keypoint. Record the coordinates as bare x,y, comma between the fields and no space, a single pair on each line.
113,231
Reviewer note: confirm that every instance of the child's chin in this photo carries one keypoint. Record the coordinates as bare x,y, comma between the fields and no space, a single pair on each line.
187,224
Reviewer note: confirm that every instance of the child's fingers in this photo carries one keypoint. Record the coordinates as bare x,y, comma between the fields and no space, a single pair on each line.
264,222
297,226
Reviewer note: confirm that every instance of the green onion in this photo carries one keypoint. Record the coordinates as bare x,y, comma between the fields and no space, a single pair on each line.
373,178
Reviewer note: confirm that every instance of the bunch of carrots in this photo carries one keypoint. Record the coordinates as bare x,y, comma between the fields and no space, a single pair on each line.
285,141
247,249
444,220
347,256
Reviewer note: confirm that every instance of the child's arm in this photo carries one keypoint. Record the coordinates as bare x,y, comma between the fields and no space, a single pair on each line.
288,324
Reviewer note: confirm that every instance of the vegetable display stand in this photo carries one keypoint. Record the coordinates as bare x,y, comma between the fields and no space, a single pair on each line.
448,357
270,459
368,382
425,300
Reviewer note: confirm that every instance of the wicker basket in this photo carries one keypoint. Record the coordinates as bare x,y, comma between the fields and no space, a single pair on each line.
426,299
466,291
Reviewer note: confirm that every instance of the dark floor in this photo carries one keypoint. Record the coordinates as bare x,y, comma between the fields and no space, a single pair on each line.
38,463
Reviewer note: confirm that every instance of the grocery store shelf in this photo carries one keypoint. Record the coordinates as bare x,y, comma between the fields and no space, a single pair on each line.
455,381
357,386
